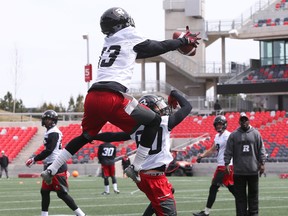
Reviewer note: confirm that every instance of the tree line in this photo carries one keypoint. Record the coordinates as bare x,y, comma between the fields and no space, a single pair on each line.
74,105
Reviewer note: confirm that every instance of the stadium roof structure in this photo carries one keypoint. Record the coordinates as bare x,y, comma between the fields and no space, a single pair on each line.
268,24
253,88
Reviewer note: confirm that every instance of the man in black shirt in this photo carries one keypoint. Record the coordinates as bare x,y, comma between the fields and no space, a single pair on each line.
4,161
217,107
245,146
106,157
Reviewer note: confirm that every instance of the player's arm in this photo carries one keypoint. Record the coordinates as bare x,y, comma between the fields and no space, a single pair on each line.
177,117
114,153
151,48
209,152
263,156
206,153
228,152
50,146
99,154
112,136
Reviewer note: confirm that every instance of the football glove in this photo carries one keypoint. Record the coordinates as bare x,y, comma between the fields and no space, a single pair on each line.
192,39
198,160
30,162
172,102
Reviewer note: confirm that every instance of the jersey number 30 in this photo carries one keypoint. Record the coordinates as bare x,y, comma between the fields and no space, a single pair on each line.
107,151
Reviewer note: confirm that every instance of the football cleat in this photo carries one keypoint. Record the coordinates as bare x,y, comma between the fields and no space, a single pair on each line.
131,173
105,193
47,176
201,213
116,191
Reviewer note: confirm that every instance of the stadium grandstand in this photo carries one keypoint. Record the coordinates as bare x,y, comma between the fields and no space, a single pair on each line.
264,83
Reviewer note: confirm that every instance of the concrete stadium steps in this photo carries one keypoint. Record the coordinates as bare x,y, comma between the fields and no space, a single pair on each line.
31,147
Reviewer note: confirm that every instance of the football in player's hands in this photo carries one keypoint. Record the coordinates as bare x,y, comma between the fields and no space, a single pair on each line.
172,102
192,39
188,49
192,42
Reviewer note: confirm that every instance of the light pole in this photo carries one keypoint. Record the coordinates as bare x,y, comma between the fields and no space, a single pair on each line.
88,67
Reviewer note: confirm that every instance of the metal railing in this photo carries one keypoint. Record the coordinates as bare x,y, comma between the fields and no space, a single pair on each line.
199,69
237,23
201,105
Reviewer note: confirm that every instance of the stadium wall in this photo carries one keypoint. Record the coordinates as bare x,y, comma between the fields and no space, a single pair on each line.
93,169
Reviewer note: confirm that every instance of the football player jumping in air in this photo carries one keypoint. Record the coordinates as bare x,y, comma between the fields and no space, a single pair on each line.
107,99
53,146
152,170
220,176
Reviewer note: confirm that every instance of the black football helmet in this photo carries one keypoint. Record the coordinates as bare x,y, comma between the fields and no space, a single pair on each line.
156,104
49,114
220,119
115,19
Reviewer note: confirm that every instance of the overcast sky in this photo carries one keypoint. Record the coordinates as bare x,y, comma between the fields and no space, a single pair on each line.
46,37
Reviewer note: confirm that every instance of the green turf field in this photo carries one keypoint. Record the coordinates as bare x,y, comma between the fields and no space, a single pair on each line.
21,197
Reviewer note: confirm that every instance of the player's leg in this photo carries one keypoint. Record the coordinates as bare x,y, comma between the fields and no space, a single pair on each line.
145,116
210,201
67,199
229,181
217,181
129,117
147,139
70,203
71,148
240,184
45,201
92,123
231,189
105,175
149,211
253,195
160,192
6,172
106,186
115,185
112,174
212,195
60,185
